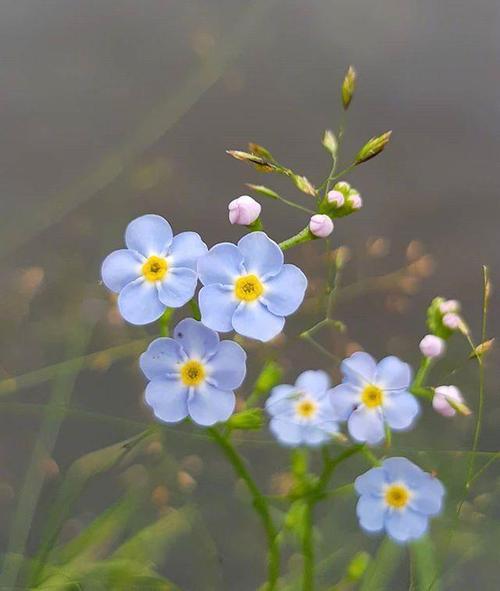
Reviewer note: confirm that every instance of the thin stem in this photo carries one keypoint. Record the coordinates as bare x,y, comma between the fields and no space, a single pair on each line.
259,502
422,372
165,322
295,205
308,548
304,235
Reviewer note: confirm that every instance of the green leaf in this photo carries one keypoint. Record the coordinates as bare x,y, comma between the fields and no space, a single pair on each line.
382,568
423,554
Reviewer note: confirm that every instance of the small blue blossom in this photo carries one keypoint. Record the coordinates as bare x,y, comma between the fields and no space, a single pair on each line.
193,374
374,394
248,288
302,414
157,269
398,497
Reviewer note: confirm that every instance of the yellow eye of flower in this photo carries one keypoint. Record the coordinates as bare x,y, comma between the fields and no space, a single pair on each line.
306,409
192,373
372,396
397,496
155,268
248,288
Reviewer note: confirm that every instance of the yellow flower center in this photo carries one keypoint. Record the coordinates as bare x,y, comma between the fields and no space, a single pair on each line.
372,396
306,409
155,268
192,373
248,288
397,496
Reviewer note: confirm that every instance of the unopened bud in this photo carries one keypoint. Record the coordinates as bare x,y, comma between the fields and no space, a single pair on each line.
348,86
373,147
432,346
448,400
452,321
449,306
355,201
244,210
335,198
321,225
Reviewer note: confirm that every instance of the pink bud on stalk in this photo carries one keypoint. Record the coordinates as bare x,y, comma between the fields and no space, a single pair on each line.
452,321
449,306
355,201
447,400
321,225
335,198
432,346
244,210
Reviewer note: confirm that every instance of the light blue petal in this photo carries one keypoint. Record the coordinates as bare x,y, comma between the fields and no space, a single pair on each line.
208,405
120,268
262,255
400,410
178,287
359,368
255,321
371,482
366,425
186,249
222,264
401,469
163,357
150,234
282,400
428,498
344,399
285,291
371,512
217,306
168,399
314,435
197,340
286,432
406,525
314,382
227,367
139,303
393,374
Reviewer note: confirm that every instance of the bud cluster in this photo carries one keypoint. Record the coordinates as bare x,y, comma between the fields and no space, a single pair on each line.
443,318
342,200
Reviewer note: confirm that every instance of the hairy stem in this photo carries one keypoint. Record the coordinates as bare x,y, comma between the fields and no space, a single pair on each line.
304,235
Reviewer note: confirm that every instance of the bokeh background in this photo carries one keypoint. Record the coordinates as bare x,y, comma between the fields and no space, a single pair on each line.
111,109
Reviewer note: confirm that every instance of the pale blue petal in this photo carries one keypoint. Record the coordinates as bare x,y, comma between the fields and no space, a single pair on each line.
208,405
286,432
217,306
371,482
197,340
222,264
400,410
393,374
314,382
262,255
255,321
344,399
227,367
178,287
150,234
371,512
282,400
186,249
314,435
406,525
139,303
428,498
366,425
359,368
120,268
163,357
401,469
168,399
285,291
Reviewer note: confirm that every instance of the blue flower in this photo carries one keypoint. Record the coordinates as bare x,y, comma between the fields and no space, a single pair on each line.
372,395
398,497
193,374
157,270
302,414
248,288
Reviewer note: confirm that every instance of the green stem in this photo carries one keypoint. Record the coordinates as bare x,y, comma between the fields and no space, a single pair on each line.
422,372
195,309
308,548
259,502
165,322
304,235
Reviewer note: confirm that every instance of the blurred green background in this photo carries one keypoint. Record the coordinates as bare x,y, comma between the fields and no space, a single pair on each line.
111,109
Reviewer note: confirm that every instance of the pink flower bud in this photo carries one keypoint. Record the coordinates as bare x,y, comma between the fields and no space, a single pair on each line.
452,321
442,397
321,225
335,198
449,306
355,201
432,346
244,210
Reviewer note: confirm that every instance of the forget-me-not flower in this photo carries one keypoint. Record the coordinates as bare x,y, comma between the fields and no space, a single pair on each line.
398,497
374,394
302,414
193,374
248,288
157,269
